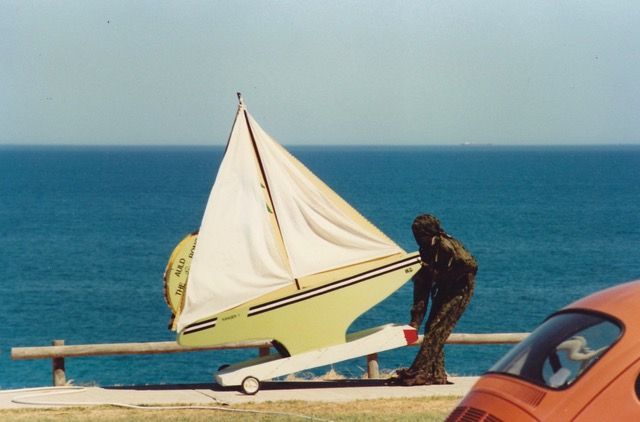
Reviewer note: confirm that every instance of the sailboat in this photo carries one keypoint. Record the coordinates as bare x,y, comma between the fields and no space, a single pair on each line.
279,255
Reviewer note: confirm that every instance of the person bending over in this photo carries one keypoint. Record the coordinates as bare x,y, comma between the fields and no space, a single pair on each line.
448,277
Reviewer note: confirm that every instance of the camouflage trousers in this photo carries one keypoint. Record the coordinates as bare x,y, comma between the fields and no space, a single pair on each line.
450,299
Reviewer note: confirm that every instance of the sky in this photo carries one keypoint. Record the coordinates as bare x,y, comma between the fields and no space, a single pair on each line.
317,73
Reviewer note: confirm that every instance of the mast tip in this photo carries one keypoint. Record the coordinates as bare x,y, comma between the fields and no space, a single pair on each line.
239,94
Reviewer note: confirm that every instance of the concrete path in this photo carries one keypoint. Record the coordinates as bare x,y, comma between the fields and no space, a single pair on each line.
213,394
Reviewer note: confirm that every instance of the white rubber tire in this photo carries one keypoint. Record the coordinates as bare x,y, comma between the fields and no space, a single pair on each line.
250,385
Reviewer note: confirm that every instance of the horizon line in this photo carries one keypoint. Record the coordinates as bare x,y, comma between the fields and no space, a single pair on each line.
459,144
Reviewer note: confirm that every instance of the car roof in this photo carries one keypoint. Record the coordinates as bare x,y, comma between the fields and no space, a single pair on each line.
620,301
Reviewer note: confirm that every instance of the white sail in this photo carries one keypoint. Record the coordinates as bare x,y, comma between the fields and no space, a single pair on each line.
268,221
320,230
236,257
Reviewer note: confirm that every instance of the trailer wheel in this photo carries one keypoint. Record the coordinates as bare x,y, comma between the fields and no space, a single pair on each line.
250,385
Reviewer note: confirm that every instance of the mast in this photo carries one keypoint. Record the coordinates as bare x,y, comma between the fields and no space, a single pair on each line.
269,198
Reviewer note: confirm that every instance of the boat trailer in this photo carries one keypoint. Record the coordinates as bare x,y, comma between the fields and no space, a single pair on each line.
247,375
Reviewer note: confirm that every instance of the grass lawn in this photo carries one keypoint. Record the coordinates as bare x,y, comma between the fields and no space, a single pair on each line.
414,409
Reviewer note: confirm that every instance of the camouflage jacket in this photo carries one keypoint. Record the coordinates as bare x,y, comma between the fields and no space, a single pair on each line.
447,259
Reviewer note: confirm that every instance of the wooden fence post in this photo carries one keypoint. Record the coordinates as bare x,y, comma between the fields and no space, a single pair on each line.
59,376
263,351
373,368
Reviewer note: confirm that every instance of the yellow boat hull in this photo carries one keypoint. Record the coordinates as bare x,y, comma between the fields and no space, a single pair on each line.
316,313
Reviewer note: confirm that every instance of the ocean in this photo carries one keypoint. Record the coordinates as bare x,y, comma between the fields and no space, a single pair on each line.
86,232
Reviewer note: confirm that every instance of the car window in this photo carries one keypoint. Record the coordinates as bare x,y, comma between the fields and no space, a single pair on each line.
561,349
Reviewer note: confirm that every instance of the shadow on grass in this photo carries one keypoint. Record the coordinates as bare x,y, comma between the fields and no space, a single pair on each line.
264,385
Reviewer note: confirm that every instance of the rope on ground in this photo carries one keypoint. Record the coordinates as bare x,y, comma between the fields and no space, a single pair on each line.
25,399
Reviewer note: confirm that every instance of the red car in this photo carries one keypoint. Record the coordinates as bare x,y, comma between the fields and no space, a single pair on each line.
581,364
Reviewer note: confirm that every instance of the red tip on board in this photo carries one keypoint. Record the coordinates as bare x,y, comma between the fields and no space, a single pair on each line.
411,336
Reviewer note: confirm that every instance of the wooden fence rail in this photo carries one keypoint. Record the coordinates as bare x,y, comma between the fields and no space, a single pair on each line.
58,350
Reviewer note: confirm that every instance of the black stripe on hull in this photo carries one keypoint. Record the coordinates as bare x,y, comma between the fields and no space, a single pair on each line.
199,326
331,287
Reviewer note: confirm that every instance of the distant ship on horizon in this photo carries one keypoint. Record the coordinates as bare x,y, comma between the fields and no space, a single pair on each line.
476,144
